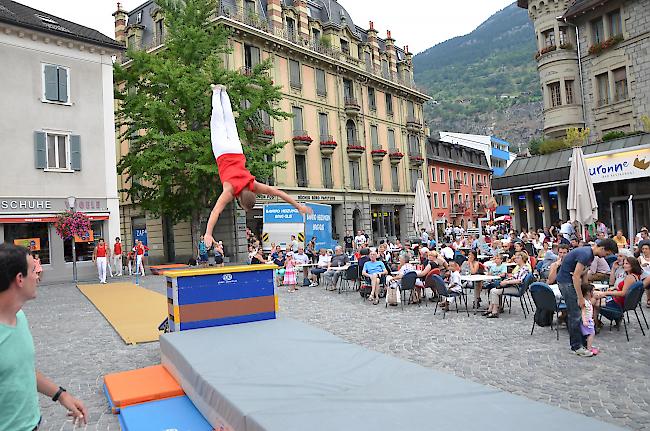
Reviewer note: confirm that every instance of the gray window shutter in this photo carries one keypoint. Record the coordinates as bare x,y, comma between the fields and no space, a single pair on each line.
63,85
75,152
40,150
51,83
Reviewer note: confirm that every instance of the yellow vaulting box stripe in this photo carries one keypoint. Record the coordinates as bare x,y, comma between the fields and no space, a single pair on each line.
134,312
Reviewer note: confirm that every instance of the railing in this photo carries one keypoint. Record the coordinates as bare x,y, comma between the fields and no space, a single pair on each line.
395,186
454,185
356,185
378,185
458,209
326,138
328,183
354,143
351,102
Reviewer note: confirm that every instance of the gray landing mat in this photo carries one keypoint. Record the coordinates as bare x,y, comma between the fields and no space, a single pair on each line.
284,375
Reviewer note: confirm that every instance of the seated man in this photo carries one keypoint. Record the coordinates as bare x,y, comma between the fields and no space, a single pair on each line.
599,270
374,269
544,265
301,258
332,275
562,250
324,260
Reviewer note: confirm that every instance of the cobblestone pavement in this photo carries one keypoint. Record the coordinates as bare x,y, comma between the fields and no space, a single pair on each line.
76,347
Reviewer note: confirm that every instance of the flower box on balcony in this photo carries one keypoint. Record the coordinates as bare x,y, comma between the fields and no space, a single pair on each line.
301,143
327,147
378,154
597,48
355,151
545,50
267,135
416,160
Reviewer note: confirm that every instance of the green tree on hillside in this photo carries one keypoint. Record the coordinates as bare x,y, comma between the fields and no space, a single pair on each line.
164,102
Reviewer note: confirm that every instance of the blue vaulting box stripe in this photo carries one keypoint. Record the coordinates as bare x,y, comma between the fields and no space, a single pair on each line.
224,287
227,321
170,414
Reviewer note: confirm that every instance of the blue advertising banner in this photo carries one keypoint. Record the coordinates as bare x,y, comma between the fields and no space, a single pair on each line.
140,234
319,225
281,213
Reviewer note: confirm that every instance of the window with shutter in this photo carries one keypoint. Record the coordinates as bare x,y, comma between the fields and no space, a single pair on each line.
40,150
56,83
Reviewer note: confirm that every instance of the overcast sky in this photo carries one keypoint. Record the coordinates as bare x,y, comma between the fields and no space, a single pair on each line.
419,24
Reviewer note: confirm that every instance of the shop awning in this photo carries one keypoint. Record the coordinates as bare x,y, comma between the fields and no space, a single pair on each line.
45,218
502,210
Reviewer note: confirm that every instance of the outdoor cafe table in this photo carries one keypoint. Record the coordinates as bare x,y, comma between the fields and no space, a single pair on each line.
475,278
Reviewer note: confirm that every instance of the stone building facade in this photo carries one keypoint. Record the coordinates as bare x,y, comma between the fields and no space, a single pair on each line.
350,92
593,63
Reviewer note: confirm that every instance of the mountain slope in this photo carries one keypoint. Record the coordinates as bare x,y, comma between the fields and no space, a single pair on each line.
485,82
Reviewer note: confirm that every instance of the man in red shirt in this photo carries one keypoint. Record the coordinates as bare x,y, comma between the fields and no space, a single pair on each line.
101,254
117,256
238,183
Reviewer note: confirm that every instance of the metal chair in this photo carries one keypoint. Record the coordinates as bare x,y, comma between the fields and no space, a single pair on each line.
349,277
407,284
545,300
632,299
441,290
521,294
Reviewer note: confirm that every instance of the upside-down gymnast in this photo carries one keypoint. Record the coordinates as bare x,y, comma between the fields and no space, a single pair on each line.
238,183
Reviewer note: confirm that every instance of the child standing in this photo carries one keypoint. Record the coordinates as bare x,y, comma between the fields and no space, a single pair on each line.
37,265
587,324
290,273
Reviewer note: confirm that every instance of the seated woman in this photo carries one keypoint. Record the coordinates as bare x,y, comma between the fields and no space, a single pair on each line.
617,294
509,285
472,267
517,247
496,268
644,261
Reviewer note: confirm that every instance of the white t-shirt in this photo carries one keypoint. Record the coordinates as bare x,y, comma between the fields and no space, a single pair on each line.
447,253
324,261
359,239
301,258
454,280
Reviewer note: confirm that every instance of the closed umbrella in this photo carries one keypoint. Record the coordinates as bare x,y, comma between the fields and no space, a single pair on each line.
422,209
581,204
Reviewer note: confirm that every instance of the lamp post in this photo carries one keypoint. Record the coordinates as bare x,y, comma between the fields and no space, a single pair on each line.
71,204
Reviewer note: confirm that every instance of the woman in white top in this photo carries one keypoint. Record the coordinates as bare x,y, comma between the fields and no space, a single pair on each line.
324,260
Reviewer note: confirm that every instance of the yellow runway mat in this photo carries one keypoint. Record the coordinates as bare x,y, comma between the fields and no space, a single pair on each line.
134,312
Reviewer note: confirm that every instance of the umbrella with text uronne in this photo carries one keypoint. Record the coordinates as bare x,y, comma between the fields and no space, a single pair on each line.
422,209
581,201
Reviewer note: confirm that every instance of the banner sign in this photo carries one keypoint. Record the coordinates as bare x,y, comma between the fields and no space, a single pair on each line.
319,225
282,213
33,244
88,237
618,166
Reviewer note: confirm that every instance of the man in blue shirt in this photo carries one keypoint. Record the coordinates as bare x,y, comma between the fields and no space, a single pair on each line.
374,269
571,275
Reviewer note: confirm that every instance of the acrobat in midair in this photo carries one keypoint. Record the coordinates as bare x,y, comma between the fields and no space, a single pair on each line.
238,183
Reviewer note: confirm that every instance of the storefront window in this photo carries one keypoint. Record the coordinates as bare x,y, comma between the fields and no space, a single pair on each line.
32,235
84,249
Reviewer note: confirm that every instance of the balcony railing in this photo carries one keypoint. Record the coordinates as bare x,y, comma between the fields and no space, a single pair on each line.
458,209
454,185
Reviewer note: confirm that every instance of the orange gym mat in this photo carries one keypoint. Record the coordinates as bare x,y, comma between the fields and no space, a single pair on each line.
159,269
134,312
139,386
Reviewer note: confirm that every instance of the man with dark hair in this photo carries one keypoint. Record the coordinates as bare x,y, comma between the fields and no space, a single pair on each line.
19,379
571,275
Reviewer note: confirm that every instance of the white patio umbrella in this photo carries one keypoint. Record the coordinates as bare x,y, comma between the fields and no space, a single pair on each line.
422,209
581,201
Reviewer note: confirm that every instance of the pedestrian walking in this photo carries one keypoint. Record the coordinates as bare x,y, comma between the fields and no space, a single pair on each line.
20,382
101,253
117,257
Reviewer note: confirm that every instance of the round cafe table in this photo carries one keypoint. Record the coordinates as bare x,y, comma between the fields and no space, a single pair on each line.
475,278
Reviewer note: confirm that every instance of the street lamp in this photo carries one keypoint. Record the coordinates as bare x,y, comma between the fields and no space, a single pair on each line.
71,204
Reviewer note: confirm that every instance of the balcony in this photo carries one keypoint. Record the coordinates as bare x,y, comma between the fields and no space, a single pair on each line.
458,209
480,209
395,156
454,185
352,106
416,159
267,134
477,188
301,141
355,149
413,124
327,145
378,154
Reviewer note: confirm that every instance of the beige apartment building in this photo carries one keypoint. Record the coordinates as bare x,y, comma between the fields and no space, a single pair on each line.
356,139
593,63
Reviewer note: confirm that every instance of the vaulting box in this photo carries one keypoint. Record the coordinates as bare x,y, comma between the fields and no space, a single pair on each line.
200,298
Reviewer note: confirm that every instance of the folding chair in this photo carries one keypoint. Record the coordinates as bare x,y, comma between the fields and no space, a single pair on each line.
407,284
521,294
349,277
441,290
545,300
632,299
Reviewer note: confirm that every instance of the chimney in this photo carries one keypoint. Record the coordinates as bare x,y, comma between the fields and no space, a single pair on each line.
120,23
274,12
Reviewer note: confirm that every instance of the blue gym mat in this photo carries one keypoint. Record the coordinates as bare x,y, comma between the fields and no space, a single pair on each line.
284,375
169,414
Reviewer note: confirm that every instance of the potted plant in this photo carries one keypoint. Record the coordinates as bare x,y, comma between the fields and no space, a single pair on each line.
327,147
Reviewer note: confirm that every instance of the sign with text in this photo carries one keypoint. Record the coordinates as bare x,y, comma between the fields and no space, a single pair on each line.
281,213
49,205
623,165
33,244
319,225
88,237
